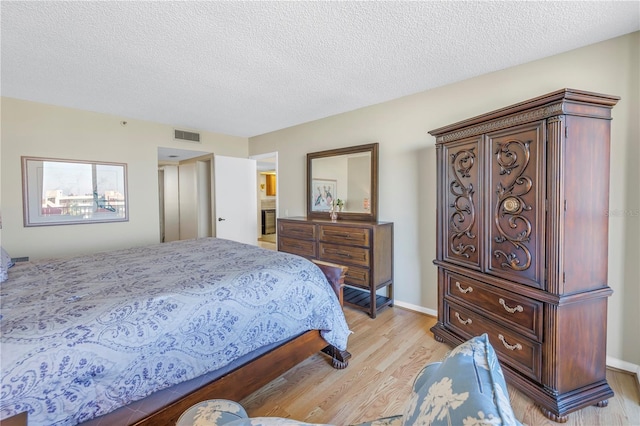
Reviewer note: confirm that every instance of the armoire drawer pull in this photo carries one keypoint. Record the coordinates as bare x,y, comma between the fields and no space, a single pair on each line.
463,322
518,308
464,290
517,346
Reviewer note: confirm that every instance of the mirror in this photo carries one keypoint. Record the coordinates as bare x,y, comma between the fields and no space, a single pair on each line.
346,178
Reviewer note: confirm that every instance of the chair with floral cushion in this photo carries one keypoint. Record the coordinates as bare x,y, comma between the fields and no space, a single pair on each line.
467,387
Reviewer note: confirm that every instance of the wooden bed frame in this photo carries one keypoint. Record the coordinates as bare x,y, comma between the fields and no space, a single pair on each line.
250,377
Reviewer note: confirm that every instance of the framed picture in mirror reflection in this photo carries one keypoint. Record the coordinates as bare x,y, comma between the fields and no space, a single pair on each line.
324,194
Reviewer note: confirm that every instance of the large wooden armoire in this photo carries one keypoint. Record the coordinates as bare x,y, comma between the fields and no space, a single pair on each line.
523,196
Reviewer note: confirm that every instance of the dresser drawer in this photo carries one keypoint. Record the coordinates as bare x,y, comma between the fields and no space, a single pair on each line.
513,349
344,254
345,235
358,277
302,230
300,247
519,312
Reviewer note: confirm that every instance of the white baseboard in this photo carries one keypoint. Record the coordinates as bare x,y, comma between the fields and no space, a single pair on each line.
611,362
416,308
624,366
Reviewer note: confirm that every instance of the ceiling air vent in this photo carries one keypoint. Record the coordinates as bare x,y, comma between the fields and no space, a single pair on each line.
187,136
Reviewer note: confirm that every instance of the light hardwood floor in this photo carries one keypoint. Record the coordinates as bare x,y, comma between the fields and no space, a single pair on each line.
267,245
387,354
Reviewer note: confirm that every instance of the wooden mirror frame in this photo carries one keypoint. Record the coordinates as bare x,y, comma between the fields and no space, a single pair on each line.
372,215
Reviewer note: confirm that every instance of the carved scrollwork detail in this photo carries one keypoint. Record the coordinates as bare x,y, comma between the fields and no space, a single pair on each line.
511,205
503,123
552,416
462,162
602,404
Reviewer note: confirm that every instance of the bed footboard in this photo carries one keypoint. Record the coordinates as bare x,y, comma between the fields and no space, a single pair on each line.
249,378
242,381
335,275
339,359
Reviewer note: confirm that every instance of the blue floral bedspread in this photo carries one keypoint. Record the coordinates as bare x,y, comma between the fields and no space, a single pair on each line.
86,335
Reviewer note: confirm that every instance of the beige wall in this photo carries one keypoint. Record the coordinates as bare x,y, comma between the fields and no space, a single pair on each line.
407,168
407,165
33,129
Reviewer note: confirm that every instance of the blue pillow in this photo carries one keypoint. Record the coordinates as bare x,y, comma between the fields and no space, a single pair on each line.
467,387
6,259
5,264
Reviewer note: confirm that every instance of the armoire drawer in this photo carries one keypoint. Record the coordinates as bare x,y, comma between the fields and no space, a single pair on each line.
513,349
345,235
300,247
344,254
520,312
302,230
358,277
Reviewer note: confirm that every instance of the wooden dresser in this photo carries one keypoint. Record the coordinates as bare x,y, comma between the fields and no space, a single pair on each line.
523,195
366,248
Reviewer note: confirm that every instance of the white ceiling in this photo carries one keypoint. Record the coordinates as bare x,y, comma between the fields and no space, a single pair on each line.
248,68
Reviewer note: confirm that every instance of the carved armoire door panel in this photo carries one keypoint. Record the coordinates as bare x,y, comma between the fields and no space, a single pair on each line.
517,204
462,204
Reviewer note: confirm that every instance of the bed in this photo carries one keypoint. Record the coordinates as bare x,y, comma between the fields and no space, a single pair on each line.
84,336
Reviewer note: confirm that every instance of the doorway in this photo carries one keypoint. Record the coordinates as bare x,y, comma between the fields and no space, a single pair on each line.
267,182
185,194
192,187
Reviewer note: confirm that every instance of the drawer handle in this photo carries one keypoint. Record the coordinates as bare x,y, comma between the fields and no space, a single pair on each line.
463,322
508,309
464,290
342,235
339,253
517,346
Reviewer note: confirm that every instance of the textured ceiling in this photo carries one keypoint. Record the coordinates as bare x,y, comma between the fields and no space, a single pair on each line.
248,68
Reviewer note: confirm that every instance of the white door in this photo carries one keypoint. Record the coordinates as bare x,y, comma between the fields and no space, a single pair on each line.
236,199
